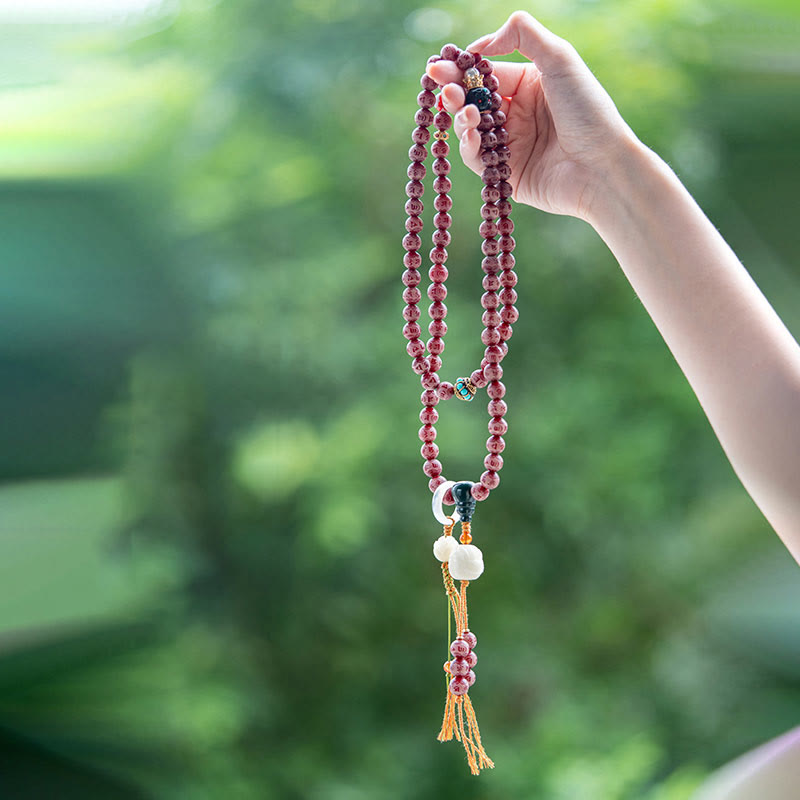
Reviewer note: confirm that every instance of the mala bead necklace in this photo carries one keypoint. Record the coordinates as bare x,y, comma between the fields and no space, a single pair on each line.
461,560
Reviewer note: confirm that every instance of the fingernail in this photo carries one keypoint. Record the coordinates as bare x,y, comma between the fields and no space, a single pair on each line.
478,44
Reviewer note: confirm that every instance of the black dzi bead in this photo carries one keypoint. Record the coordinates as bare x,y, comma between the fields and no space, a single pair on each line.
480,96
465,502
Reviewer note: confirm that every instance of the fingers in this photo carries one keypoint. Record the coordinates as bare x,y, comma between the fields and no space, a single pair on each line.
523,32
508,73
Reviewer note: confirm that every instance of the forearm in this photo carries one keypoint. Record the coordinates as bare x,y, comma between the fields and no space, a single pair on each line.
739,358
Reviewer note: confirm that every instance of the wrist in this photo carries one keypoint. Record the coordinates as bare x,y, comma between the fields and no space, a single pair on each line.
623,183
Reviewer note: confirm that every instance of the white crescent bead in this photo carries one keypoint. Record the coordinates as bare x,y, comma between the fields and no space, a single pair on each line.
443,547
466,563
438,499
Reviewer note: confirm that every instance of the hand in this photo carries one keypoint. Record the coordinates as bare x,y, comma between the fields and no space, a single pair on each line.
565,133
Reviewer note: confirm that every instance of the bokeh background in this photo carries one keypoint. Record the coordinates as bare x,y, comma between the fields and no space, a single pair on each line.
215,567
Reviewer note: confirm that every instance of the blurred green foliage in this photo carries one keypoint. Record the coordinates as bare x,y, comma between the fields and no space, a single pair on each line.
214,534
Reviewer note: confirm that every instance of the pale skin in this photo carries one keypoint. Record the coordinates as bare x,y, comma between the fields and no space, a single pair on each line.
572,153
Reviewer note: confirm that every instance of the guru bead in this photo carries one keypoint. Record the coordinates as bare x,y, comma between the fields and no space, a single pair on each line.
479,96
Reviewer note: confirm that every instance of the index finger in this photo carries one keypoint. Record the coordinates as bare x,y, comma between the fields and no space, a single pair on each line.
509,74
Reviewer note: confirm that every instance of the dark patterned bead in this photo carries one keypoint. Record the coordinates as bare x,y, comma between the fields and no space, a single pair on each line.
480,97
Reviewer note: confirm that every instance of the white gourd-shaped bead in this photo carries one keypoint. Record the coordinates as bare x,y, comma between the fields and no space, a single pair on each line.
466,563
443,547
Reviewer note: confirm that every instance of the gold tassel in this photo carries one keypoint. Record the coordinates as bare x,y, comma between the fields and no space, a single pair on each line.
459,708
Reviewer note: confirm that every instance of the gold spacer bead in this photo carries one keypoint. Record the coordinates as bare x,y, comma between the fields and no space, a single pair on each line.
442,136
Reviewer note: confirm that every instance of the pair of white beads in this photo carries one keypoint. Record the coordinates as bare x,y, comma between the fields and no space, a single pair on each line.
464,561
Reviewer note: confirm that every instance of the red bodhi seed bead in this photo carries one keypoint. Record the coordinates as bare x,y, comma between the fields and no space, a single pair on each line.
497,426
459,648
438,273
444,203
411,330
479,492
435,483
505,331
411,277
493,354
491,318
437,310
431,398
488,336
495,444
436,346
429,450
434,363
472,659
432,468
470,676
490,282
450,52
459,685
490,300
491,480
415,348
508,278
429,416
437,291
448,498
472,640
478,379
493,372
419,364
497,408
446,390
496,390
412,259
494,462
441,238
411,313
459,666
427,433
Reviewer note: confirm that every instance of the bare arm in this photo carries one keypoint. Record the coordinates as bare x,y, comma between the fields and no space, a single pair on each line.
572,153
